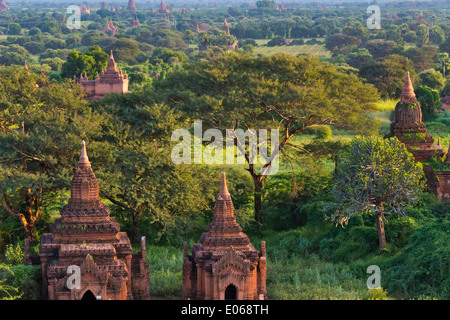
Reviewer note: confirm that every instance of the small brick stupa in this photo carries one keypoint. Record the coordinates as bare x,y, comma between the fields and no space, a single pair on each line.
88,238
409,128
224,265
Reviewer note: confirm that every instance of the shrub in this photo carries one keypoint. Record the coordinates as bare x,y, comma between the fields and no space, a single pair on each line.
323,132
165,271
14,254
422,268
276,41
25,278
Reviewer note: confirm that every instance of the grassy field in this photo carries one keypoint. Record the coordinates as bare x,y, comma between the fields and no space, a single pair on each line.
313,49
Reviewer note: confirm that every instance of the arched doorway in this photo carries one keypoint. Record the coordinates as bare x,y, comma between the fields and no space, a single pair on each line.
88,295
230,292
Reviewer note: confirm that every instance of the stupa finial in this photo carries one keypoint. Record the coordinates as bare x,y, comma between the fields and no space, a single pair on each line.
83,157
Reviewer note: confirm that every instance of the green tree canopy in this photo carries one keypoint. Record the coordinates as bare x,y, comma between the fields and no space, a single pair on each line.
91,62
432,79
281,91
40,129
376,175
388,74
429,101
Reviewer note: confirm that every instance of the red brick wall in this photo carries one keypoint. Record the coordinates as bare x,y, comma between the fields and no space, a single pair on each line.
443,190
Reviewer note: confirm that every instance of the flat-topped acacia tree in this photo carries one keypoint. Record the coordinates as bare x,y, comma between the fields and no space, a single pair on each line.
377,175
281,92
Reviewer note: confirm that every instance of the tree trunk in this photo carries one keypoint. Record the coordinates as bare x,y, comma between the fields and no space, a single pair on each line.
29,228
258,200
28,214
380,228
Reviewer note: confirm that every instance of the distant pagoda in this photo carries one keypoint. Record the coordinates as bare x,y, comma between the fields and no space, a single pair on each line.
162,8
409,128
111,80
225,27
111,28
85,10
132,6
3,6
421,18
104,5
224,265
136,23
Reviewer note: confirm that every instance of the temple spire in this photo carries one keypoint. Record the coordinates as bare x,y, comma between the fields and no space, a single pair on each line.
111,66
223,187
83,157
408,90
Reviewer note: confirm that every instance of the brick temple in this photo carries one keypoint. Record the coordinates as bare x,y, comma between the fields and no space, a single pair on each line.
131,6
111,80
409,128
224,265
162,8
87,237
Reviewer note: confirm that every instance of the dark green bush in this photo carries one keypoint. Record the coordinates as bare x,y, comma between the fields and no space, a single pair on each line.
422,268
26,278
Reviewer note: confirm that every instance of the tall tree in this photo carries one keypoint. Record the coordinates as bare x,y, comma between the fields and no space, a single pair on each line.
90,62
41,122
149,193
386,74
376,175
279,92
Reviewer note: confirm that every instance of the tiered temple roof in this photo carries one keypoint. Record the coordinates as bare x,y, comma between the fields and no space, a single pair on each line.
86,236
132,6
162,8
224,231
110,80
224,258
